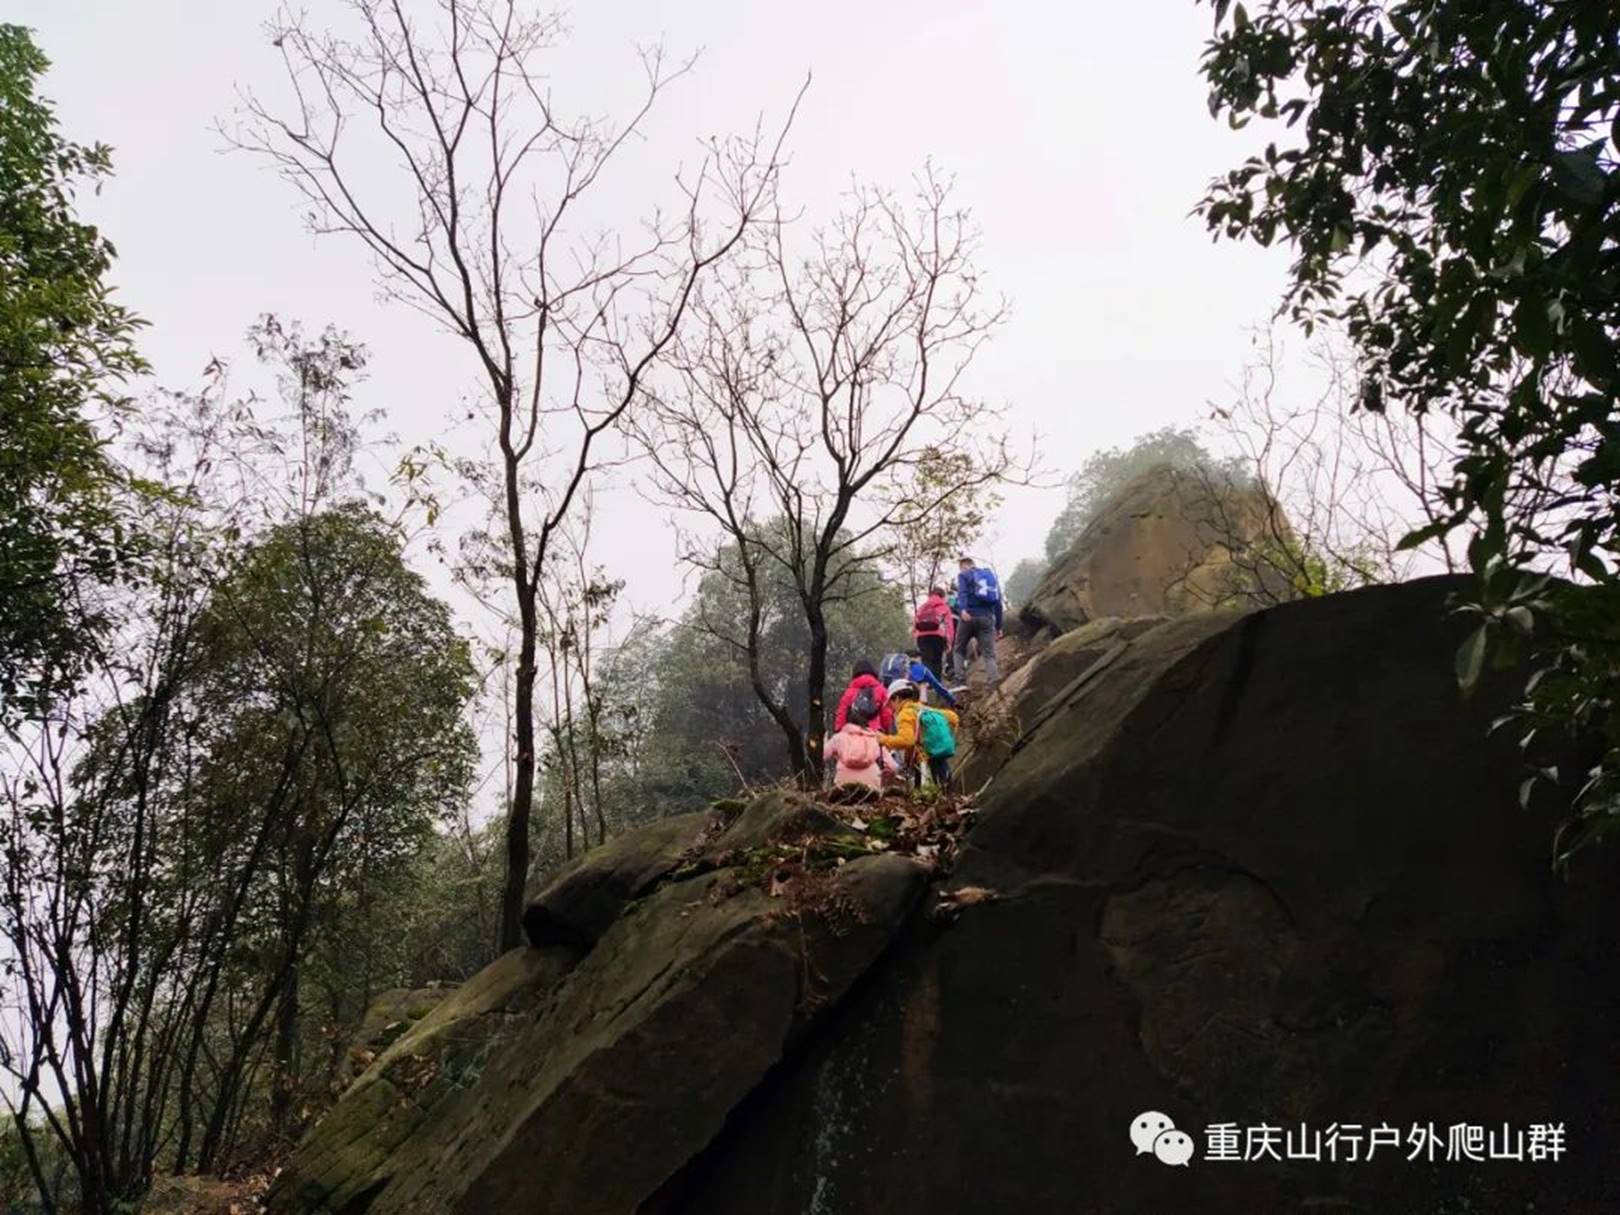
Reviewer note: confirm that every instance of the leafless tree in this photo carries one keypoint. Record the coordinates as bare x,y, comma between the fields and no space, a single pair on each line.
438,147
577,603
1319,494
812,389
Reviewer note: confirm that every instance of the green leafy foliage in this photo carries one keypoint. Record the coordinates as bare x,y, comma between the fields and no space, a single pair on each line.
1446,173
64,344
221,826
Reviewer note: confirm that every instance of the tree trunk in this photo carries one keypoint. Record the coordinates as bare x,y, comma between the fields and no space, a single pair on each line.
286,1057
527,589
517,819
816,708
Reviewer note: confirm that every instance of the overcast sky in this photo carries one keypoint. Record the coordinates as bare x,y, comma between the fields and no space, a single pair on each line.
1077,132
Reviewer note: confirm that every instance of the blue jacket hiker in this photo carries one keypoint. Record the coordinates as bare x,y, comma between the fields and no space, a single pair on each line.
978,595
921,674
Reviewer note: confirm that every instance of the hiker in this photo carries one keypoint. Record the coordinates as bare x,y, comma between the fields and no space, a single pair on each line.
956,627
921,674
923,730
978,595
894,666
866,689
934,628
856,751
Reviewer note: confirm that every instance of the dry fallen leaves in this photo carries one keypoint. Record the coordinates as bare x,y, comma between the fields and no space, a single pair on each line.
951,902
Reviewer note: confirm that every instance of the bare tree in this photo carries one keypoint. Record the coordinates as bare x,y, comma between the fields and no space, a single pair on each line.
577,602
1320,495
465,195
924,557
818,414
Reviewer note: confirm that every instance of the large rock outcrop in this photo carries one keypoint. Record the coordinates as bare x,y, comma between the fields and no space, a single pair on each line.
1262,870
1170,542
501,1097
1002,717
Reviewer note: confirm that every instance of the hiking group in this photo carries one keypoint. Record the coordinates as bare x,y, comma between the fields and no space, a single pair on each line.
887,731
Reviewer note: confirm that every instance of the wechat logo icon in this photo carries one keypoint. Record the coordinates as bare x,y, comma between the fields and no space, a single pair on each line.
1153,1132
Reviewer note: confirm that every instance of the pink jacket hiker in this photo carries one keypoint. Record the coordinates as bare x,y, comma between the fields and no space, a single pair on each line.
860,759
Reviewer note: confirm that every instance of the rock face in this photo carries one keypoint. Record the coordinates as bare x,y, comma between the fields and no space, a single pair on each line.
1164,545
500,1098
1257,870
1002,719
391,1015
415,1085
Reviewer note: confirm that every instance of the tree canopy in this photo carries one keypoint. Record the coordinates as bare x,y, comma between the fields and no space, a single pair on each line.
64,344
1446,174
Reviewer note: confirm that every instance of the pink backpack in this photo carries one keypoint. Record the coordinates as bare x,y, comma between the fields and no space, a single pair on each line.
858,752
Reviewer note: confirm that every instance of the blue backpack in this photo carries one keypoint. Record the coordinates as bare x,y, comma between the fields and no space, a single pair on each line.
935,733
984,591
893,667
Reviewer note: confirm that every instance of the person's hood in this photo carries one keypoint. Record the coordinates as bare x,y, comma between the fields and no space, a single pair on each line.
850,727
862,680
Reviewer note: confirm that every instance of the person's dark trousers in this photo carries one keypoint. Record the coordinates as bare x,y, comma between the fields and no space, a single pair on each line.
933,654
940,769
982,629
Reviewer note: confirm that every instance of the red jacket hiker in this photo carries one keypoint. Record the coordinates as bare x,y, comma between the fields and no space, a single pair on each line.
865,677
934,618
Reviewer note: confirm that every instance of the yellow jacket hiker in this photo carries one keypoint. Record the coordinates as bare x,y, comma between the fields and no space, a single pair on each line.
909,733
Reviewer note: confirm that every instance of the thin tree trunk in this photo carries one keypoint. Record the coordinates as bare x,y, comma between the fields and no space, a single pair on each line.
517,818
286,1057
816,708
517,821
575,782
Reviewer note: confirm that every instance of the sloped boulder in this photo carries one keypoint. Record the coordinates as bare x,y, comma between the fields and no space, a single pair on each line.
392,1013
1264,873
1253,872
1172,541
772,816
696,991
357,1148
1007,715
582,902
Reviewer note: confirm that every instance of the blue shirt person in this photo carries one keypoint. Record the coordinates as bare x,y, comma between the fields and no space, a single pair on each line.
978,594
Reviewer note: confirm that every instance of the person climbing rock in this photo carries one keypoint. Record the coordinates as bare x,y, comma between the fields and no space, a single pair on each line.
921,674
922,732
978,595
856,752
866,689
934,628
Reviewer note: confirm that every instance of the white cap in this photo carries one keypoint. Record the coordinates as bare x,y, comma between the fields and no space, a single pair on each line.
901,685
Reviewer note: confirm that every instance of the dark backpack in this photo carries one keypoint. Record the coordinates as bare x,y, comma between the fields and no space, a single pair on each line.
865,702
931,617
893,667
